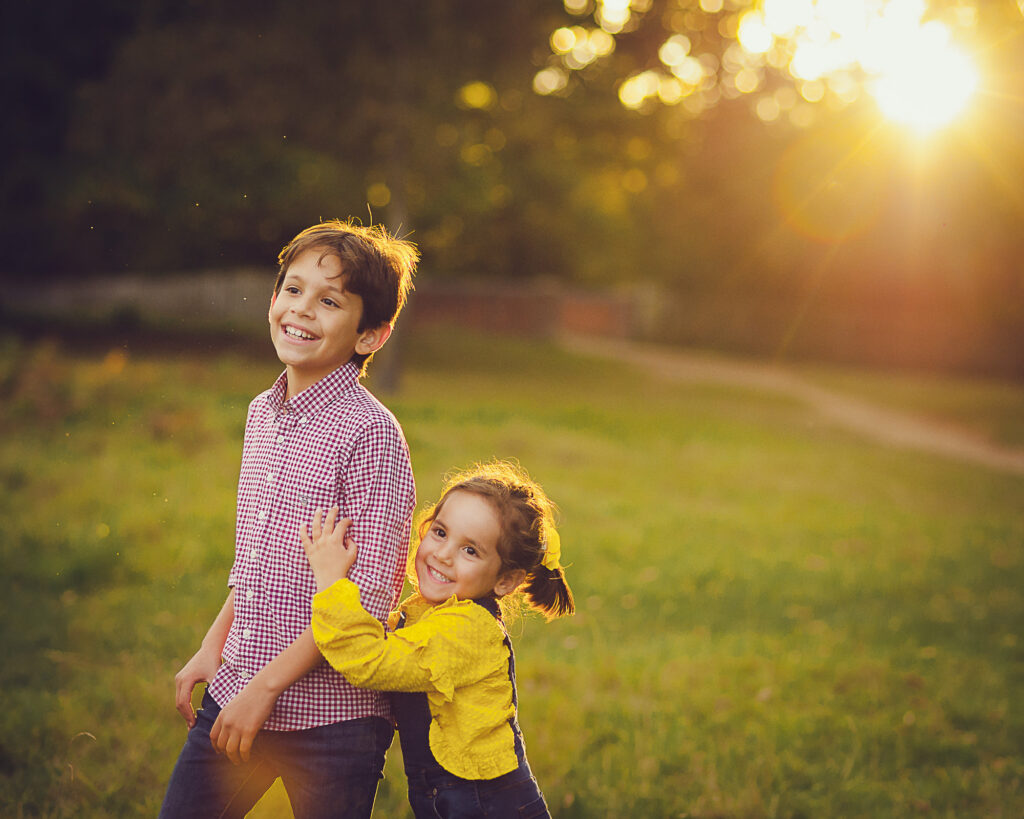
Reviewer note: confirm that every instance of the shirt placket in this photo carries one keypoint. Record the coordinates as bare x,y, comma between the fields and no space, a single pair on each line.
256,609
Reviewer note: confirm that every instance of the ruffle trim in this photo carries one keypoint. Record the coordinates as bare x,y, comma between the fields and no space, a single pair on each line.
431,663
470,765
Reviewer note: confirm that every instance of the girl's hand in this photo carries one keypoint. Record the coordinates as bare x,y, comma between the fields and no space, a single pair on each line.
330,553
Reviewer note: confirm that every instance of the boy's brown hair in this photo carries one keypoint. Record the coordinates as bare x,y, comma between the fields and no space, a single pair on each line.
377,267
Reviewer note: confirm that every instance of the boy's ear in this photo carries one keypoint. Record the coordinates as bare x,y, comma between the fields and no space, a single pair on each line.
509,582
371,340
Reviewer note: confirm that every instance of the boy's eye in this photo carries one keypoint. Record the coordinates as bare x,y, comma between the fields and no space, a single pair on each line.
471,551
291,289
330,302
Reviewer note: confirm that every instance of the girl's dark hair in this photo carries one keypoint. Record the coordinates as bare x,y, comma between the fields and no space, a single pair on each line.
527,518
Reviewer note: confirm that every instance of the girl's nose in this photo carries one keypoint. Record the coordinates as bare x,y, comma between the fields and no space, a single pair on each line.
445,552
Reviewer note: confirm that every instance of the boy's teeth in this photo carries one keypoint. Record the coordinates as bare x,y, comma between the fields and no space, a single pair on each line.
294,331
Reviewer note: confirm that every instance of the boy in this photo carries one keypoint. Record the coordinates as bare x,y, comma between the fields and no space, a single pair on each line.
315,439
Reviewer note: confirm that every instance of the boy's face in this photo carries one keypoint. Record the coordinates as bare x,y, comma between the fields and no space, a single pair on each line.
314,321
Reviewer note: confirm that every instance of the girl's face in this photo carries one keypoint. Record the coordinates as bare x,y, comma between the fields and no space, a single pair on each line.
459,552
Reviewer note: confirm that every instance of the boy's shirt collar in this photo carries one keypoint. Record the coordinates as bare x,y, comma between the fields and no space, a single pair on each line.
315,397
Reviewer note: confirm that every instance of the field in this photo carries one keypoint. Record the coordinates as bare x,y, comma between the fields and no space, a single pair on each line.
776,619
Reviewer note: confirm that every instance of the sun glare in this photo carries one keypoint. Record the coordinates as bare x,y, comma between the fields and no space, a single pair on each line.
900,52
911,67
928,84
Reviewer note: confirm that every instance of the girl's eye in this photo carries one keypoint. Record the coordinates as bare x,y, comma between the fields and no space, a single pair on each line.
330,302
471,551
439,531
291,289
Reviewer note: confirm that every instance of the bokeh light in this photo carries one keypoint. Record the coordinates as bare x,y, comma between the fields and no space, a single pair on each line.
477,95
832,52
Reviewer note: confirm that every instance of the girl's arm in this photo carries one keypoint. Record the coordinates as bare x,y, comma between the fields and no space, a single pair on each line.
440,653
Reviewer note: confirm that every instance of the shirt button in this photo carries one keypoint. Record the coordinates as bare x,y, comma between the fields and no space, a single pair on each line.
246,634
280,439
253,554
249,594
270,477
302,419
263,514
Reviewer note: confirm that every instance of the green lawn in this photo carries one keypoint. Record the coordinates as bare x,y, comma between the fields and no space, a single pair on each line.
989,408
775,618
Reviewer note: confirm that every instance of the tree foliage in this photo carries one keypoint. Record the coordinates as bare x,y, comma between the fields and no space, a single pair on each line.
158,136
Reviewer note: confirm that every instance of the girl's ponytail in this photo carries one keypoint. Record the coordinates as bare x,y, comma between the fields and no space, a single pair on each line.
548,592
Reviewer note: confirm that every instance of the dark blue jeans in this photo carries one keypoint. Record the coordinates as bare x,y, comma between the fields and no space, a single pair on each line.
330,772
445,796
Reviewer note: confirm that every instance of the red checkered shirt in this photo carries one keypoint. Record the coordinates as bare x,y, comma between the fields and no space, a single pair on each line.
334,443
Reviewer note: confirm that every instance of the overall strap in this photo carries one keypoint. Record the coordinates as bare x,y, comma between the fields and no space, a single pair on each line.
491,604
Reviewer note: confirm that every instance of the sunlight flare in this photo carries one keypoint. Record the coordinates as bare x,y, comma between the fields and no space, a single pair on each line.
902,53
928,84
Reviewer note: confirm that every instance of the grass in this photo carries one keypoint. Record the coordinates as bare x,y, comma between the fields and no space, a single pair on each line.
776,619
990,408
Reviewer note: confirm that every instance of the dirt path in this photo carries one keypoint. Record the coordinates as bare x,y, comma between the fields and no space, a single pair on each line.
885,426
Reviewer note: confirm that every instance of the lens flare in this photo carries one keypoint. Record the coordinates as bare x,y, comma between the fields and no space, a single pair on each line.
928,84
834,52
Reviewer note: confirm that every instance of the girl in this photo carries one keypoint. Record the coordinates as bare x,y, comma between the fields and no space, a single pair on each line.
489,539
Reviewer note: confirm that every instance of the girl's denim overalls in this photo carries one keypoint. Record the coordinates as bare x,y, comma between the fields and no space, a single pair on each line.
434,792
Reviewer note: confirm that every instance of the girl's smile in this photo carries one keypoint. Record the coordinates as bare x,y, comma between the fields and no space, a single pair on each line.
458,554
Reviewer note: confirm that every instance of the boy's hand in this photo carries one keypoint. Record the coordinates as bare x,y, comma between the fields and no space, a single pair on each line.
241,719
201,668
330,553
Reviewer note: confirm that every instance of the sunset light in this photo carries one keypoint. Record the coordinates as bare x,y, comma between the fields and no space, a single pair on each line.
901,53
927,84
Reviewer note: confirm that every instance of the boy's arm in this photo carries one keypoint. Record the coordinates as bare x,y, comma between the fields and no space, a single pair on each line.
242,718
379,496
205,662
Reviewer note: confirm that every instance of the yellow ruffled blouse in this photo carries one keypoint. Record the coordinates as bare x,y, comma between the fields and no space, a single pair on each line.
453,651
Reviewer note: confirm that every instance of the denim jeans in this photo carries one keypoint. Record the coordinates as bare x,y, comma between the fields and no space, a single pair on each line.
329,772
445,796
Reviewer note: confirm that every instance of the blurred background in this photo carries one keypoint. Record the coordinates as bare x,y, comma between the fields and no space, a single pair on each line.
834,180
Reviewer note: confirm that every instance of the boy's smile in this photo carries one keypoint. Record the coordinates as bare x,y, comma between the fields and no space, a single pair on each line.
459,553
314,320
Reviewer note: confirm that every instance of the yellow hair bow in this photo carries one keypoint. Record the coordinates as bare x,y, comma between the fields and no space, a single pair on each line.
552,551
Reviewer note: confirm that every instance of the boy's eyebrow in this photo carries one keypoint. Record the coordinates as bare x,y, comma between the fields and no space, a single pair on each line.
289,275
340,289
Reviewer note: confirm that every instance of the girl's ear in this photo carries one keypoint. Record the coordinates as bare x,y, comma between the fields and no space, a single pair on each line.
509,582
